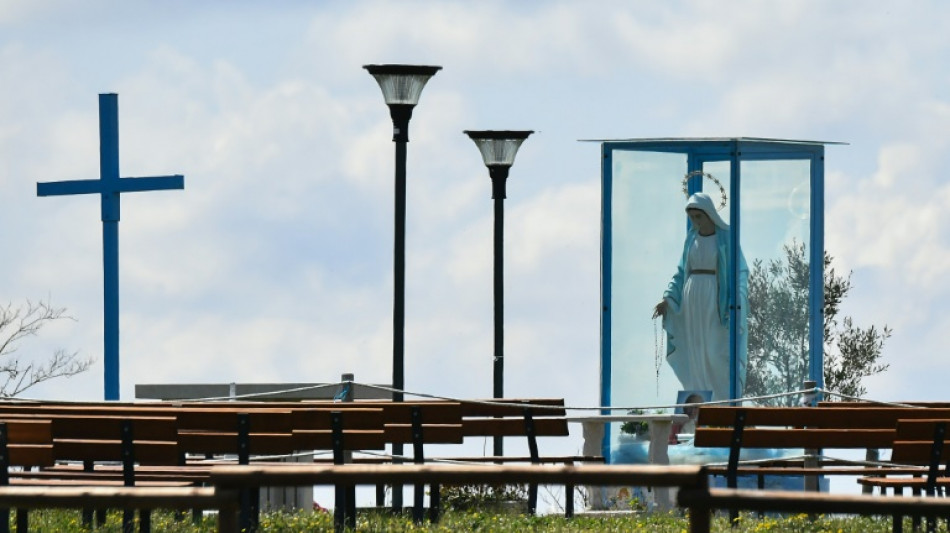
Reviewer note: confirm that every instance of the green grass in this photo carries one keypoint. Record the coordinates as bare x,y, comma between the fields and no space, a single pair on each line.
165,522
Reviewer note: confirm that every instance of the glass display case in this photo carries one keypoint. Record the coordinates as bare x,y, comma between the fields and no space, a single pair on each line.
738,322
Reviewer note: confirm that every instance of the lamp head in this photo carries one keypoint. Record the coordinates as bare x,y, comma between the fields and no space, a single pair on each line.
401,84
498,147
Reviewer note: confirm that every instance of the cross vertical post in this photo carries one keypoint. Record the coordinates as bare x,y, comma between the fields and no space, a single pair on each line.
109,186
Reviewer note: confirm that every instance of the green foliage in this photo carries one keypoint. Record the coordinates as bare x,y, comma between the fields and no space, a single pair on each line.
59,521
779,329
480,497
635,427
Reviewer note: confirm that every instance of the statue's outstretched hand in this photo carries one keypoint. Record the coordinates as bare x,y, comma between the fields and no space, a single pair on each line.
660,309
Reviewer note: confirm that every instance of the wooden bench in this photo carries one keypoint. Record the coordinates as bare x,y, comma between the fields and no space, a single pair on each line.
702,500
814,428
238,477
438,422
213,428
418,423
808,428
448,422
221,429
495,418
372,425
125,440
918,442
522,418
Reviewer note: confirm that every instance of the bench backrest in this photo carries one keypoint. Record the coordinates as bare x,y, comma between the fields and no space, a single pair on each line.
506,417
212,428
100,438
806,427
441,420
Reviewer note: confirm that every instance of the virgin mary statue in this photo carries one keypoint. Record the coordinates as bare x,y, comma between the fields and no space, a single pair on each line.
695,305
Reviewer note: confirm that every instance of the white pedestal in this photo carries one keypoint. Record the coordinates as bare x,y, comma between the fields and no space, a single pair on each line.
660,426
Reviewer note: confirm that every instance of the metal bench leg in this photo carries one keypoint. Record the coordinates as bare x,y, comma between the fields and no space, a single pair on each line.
915,520
339,509
734,449
761,485
418,503
435,503
380,495
418,457
23,521
535,458
145,520
128,521
699,520
568,501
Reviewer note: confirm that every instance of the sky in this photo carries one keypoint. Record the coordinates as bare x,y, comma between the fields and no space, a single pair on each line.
274,264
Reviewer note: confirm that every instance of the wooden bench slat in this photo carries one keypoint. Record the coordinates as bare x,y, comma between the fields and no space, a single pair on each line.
511,427
797,438
28,430
146,452
31,454
353,418
818,417
121,497
352,440
432,433
227,443
921,430
811,502
485,408
299,475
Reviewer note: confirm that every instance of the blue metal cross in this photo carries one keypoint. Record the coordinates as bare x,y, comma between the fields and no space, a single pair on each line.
110,185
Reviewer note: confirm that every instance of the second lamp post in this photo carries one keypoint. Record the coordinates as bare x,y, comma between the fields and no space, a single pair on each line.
498,148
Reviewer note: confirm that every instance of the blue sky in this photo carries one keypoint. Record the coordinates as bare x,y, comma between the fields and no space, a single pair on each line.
274,263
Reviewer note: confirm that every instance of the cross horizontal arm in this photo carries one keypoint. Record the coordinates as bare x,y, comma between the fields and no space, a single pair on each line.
57,188
151,183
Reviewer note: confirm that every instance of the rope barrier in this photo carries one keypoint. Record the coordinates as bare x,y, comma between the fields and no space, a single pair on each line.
214,399
865,400
598,408
821,457
346,385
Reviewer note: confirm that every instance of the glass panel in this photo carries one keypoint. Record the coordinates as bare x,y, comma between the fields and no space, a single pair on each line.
719,170
775,240
648,223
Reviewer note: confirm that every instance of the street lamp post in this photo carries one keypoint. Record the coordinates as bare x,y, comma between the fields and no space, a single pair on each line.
498,150
401,86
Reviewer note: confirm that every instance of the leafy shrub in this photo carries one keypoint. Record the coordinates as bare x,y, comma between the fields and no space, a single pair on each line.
469,497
